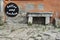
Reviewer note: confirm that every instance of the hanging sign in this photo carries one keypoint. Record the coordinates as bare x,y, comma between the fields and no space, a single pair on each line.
11,9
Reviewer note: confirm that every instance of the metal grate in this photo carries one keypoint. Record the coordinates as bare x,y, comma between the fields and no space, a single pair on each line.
38,20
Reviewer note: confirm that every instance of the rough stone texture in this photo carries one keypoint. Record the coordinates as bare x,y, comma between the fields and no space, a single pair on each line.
32,33
58,22
1,18
16,29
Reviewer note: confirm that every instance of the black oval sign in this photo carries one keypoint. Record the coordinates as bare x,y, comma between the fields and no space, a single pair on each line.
11,9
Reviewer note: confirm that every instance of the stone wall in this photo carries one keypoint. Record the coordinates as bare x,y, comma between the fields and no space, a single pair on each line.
2,18
58,22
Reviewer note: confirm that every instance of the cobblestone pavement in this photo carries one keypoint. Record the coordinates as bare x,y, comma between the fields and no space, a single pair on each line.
34,32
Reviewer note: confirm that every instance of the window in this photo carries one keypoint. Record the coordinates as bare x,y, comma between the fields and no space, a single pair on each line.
40,6
29,7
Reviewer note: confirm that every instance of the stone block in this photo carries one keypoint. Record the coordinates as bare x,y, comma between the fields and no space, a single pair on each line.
58,22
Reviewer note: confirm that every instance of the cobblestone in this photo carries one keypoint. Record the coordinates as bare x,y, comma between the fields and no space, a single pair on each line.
30,33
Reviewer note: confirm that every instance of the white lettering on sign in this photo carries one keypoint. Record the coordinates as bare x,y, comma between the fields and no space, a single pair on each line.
11,6
11,9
